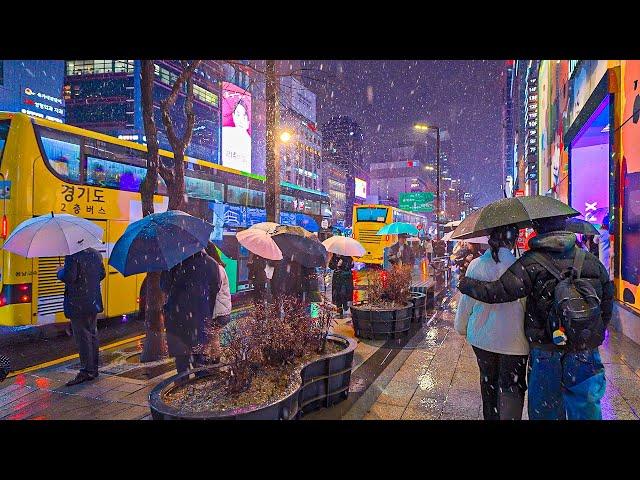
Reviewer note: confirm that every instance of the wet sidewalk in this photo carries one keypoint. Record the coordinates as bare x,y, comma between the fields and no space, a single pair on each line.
439,378
430,374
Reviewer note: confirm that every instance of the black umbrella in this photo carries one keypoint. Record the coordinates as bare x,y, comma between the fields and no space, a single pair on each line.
577,225
518,211
306,250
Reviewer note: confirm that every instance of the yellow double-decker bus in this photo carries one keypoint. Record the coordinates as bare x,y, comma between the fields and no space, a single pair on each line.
51,167
368,219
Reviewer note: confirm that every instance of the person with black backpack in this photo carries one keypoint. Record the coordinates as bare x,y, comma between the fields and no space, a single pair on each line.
569,305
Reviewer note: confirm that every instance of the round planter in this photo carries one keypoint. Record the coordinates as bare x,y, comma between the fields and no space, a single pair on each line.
322,383
381,324
419,301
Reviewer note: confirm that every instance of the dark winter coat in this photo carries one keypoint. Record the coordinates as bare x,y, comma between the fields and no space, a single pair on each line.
287,279
526,277
82,274
191,288
257,275
342,280
408,258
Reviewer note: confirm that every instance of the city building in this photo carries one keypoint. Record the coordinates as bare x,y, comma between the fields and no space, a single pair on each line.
106,96
33,87
342,146
300,158
589,157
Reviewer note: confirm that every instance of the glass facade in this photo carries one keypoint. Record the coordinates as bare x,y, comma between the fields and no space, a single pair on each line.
92,67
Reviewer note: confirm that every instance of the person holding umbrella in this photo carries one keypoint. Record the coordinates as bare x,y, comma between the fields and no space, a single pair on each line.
262,251
222,309
342,249
566,379
82,273
73,237
496,333
401,252
191,287
173,243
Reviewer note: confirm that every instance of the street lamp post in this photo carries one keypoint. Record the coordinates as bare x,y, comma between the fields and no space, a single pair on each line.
423,127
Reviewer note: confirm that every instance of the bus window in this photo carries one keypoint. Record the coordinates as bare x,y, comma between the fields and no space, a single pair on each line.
62,152
371,215
199,188
4,133
105,173
244,196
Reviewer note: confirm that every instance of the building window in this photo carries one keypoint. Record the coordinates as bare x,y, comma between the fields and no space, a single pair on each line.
91,67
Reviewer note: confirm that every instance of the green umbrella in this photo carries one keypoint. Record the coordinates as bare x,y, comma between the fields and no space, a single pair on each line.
397,228
518,211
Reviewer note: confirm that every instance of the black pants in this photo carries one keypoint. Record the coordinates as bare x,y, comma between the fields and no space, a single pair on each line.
85,333
502,384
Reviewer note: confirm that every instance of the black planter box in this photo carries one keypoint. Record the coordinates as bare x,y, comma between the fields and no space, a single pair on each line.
381,324
419,301
429,293
322,383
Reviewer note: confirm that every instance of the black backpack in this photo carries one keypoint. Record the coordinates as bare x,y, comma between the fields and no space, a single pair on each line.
576,305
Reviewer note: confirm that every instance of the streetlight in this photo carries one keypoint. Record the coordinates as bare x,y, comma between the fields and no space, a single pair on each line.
285,136
421,127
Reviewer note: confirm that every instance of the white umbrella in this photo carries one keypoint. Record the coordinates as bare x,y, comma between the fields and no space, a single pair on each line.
413,239
259,242
455,223
346,246
265,226
53,236
481,240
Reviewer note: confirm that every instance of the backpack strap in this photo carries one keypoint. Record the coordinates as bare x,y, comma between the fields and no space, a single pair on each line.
548,264
578,261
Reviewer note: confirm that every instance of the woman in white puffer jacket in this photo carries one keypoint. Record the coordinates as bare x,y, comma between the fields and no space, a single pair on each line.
496,333
222,309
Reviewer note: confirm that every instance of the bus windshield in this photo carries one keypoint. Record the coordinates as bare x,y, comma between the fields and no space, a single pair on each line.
4,133
371,215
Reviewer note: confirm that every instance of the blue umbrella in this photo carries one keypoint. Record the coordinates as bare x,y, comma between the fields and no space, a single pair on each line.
397,228
159,242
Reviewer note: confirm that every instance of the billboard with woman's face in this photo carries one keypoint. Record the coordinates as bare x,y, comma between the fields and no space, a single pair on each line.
236,127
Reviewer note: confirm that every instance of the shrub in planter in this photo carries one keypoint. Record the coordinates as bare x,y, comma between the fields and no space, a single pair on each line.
388,309
267,357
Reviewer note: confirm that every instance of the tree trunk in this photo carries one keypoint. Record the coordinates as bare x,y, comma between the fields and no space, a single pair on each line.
154,347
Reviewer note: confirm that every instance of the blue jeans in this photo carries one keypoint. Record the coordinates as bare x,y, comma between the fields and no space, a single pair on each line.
565,385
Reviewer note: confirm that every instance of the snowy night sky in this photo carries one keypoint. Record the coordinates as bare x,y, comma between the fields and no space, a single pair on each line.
387,97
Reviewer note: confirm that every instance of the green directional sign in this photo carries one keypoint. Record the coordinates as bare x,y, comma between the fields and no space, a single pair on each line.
416,201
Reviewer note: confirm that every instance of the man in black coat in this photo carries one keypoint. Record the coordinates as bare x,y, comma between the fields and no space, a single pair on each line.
82,273
191,287
563,382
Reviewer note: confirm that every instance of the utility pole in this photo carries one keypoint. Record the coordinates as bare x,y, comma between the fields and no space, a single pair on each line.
272,186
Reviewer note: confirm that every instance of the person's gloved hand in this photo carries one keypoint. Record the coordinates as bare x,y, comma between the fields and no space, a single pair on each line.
463,284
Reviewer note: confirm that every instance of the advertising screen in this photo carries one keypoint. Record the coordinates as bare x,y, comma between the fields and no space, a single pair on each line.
236,127
361,188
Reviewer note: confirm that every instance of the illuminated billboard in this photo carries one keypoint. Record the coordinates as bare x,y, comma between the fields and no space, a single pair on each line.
361,188
236,127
